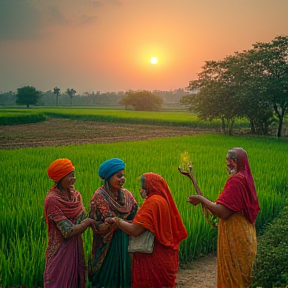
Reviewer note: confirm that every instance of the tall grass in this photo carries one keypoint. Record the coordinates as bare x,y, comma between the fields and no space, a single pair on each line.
24,184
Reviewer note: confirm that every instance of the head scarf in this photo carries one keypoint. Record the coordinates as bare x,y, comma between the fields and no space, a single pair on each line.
240,155
60,168
110,167
247,202
156,185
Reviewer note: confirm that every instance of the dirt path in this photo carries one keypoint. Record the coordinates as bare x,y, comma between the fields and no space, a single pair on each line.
200,273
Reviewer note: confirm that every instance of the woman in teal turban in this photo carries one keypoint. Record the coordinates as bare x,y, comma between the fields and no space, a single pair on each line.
110,263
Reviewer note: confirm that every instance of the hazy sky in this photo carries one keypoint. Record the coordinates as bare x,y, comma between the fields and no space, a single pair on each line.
106,45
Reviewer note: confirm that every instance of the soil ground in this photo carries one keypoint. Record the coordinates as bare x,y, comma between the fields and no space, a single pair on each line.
56,132
201,273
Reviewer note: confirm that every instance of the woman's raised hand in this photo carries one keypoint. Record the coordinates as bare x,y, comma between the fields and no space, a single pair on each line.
194,199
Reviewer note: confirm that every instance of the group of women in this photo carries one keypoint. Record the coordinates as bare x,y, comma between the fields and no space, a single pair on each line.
114,216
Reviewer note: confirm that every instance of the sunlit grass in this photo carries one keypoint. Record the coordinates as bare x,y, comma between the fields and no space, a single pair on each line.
24,184
181,118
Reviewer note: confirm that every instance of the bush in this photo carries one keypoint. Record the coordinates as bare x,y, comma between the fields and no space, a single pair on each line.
271,263
22,119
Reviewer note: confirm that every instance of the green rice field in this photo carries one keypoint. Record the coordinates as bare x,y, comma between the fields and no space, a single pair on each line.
182,118
24,184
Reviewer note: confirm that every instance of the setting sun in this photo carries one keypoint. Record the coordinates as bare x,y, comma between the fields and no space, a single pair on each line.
154,60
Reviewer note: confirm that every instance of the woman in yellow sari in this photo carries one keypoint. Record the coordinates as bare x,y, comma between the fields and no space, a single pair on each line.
237,207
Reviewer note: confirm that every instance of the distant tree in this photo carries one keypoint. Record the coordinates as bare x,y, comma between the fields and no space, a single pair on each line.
171,96
141,101
8,98
27,95
71,93
57,93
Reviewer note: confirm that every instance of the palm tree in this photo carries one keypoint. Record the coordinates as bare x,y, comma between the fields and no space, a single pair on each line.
71,93
57,93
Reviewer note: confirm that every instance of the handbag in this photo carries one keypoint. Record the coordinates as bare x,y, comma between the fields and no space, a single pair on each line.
144,243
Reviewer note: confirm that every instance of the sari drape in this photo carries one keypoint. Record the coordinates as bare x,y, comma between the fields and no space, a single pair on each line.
160,215
239,193
156,270
237,242
237,245
110,263
237,196
65,262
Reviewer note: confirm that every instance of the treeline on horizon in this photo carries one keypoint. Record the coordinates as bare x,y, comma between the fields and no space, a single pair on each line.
48,98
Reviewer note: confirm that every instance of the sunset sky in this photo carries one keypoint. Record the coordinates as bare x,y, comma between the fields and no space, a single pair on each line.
107,45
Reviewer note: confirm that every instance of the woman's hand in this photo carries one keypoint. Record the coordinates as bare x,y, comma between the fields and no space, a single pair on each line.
80,228
89,222
111,220
133,229
104,226
194,199
99,226
217,210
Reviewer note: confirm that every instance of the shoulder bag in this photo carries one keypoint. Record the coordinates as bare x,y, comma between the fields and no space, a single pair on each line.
144,243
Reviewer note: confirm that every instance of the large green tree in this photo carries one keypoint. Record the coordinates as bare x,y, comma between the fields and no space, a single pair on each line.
271,61
249,97
251,84
141,101
216,96
27,95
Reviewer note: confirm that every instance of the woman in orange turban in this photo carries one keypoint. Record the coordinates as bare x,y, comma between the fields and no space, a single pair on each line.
66,220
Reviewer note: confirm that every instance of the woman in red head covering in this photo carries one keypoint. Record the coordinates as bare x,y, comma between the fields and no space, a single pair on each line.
159,215
66,221
237,207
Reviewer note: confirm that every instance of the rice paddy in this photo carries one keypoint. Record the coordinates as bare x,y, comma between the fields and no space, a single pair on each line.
24,184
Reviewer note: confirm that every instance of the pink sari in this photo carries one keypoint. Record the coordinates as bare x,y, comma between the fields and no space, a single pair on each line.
65,262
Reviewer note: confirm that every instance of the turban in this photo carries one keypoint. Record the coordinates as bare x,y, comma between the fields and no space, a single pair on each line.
59,168
110,167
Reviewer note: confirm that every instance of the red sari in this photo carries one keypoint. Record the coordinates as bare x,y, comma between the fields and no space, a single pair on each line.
65,263
160,215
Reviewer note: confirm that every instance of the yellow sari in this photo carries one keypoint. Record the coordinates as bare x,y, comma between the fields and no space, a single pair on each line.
237,245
